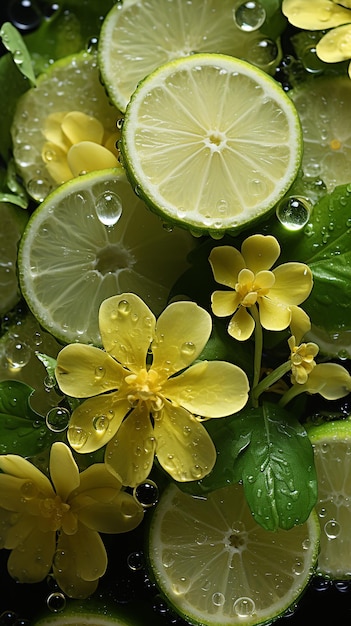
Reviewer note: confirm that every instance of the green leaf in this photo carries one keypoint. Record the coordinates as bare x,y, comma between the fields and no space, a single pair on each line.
13,85
22,430
14,43
10,188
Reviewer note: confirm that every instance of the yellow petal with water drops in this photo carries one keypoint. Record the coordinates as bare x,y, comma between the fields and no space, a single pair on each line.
63,470
315,14
127,328
53,130
79,562
78,126
226,263
19,467
90,553
330,380
17,530
13,490
31,561
209,389
300,323
131,453
94,422
120,515
260,252
59,170
225,303
182,331
184,448
293,283
274,315
242,325
83,371
335,46
87,156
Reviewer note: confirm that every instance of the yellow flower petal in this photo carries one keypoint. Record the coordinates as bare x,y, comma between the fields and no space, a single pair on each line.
300,323
127,329
96,421
335,46
209,389
260,252
59,170
53,131
293,283
13,489
120,515
226,263
96,477
83,371
87,156
182,331
131,453
31,561
264,280
242,325
225,303
78,126
184,448
330,380
63,470
19,467
110,142
274,315
315,14
17,531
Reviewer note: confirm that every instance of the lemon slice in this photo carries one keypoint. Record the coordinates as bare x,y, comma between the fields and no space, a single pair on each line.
138,36
71,84
216,565
13,221
323,105
332,452
90,239
211,142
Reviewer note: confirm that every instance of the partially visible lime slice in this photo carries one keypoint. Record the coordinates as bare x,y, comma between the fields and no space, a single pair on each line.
13,221
138,36
324,105
93,238
332,452
70,85
216,565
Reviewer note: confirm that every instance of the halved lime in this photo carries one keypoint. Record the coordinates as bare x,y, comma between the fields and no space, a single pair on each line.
323,105
211,142
70,85
93,238
13,220
332,452
216,565
138,36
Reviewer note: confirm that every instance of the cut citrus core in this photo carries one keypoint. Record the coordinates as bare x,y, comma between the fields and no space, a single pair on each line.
216,565
90,239
211,142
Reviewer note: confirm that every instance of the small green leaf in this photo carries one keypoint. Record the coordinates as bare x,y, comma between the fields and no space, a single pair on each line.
22,430
13,85
49,363
14,43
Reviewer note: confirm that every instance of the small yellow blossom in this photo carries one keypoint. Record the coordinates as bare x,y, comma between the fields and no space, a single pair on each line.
330,380
56,523
302,360
139,409
253,283
77,143
329,15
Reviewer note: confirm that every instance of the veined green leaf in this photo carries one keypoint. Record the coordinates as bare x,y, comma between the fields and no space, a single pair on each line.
14,43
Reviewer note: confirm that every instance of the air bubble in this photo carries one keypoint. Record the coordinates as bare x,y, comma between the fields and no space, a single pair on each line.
57,419
218,598
293,212
56,602
108,208
243,607
332,529
17,353
135,561
146,494
24,15
249,16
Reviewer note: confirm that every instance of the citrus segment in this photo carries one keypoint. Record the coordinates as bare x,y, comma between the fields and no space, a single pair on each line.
93,238
138,36
211,142
216,565
332,452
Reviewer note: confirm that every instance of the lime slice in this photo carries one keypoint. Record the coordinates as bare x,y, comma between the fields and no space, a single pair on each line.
137,37
323,105
216,565
70,84
13,221
332,452
93,238
211,142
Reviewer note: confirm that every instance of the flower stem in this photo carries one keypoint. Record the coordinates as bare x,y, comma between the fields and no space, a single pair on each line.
258,346
269,380
289,395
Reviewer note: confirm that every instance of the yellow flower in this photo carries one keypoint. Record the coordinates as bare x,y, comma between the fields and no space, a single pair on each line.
77,143
248,273
330,380
329,15
302,360
56,524
159,408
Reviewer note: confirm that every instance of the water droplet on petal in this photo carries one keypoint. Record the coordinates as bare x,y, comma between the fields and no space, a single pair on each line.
77,437
187,349
124,307
101,423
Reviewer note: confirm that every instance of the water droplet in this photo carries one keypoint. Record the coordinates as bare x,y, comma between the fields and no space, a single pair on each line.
218,598
293,212
263,53
24,14
332,529
124,307
298,567
77,437
244,606
119,123
146,494
108,208
39,188
99,373
29,490
167,558
61,560
17,353
18,57
249,16
92,45
187,349
135,561
101,424
57,419
181,586
56,602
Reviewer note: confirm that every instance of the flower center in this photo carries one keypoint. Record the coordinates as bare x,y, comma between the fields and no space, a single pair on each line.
145,387
53,511
252,286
